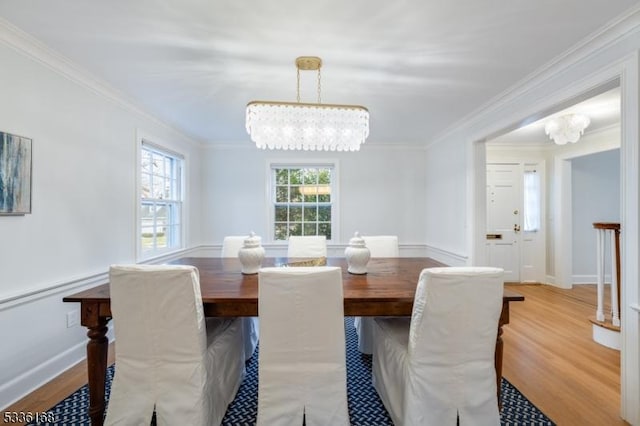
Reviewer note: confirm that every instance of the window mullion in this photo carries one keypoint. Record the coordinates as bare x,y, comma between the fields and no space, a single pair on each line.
161,209
303,206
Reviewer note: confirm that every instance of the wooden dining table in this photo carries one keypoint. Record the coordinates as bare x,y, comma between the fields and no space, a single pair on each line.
387,289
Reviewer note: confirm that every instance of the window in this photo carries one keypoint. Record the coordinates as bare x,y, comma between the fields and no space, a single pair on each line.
532,208
160,200
303,200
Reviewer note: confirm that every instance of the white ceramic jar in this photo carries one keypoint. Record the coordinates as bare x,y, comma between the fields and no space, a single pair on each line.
357,255
251,254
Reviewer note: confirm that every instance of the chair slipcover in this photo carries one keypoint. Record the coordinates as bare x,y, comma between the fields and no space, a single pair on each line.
440,363
302,363
232,244
379,246
168,356
307,246
250,326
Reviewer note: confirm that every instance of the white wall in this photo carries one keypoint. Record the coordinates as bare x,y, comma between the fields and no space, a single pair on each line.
595,198
560,245
447,209
84,205
612,54
380,192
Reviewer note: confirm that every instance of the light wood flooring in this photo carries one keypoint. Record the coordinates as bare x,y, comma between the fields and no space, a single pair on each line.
549,356
57,389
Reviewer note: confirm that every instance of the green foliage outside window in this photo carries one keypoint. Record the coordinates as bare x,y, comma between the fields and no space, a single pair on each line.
302,201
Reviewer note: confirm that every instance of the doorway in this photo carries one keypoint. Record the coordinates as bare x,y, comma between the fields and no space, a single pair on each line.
558,221
543,252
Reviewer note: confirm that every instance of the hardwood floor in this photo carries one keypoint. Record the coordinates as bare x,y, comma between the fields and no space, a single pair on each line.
549,356
57,389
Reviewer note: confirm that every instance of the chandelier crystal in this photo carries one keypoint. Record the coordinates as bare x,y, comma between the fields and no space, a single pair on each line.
567,128
307,126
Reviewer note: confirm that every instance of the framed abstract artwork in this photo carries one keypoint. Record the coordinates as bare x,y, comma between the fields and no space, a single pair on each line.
15,174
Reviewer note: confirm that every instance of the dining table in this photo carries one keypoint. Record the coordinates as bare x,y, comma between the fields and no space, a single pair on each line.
386,289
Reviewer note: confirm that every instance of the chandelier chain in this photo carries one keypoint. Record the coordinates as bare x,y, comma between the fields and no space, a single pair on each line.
298,86
319,86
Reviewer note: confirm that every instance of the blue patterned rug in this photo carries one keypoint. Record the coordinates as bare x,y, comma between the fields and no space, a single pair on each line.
365,408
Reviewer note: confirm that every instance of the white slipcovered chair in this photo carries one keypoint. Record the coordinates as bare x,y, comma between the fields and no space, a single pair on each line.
169,357
231,245
440,363
307,246
250,326
302,363
379,246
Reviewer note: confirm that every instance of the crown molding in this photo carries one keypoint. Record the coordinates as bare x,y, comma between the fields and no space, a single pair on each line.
617,29
34,49
605,130
521,147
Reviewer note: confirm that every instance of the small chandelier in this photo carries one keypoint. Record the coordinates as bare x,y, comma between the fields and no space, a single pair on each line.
307,126
566,128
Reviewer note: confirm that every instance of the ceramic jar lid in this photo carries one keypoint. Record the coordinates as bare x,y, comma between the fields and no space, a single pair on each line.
356,240
252,241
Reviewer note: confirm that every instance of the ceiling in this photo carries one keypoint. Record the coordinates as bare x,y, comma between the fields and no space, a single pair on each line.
603,111
419,66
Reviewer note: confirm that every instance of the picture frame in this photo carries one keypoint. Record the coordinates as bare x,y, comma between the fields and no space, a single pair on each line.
15,174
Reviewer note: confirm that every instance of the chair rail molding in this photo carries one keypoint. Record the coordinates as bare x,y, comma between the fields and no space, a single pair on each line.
447,257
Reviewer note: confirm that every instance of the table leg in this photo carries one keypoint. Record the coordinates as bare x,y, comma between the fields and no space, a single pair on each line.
504,319
97,350
498,361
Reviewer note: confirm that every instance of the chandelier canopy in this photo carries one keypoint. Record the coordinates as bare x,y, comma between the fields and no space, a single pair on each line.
307,126
566,128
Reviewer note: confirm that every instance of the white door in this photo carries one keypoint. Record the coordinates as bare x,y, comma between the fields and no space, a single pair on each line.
504,201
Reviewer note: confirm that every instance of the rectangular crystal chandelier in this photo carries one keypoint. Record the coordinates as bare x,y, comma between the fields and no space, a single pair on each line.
307,126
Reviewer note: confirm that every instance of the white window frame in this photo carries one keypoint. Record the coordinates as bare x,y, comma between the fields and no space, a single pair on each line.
178,237
294,163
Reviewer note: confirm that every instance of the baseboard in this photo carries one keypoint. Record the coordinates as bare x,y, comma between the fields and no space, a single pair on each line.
589,279
28,382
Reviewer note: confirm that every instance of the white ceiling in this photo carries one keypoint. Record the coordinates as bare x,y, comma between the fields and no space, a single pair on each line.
603,110
420,66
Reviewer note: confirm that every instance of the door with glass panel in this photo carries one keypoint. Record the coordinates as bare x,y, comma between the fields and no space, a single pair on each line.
515,206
